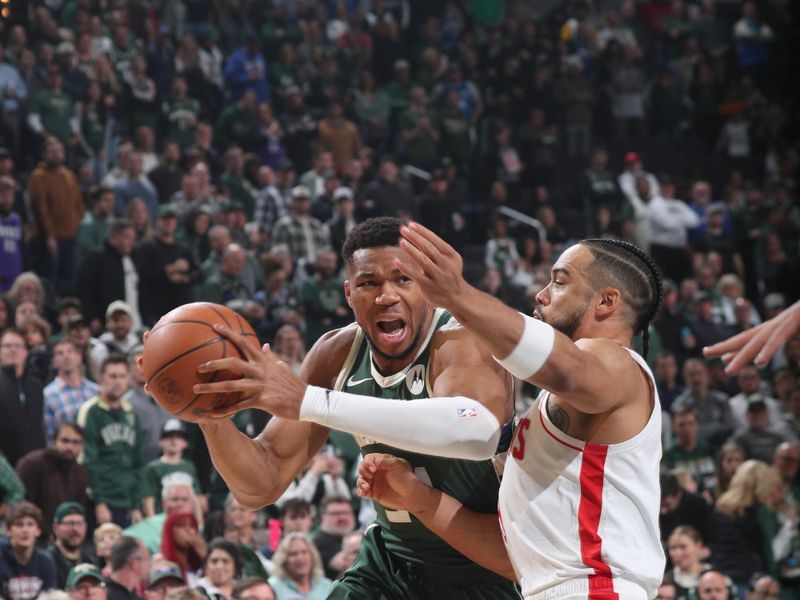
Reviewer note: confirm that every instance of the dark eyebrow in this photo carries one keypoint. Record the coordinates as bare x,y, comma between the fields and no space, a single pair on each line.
556,271
370,274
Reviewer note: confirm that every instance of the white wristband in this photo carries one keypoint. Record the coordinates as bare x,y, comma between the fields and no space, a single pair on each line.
450,427
532,350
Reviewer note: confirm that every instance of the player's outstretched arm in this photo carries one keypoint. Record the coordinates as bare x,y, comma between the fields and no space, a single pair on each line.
434,426
759,343
391,482
577,373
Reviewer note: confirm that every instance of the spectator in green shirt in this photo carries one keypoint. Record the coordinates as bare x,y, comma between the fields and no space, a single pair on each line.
322,298
93,229
51,110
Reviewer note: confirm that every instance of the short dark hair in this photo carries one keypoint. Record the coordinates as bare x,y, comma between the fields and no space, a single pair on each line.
97,191
62,425
113,359
670,486
682,411
334,500
118,225
246,583
296,506
122,551
372,233
628,268
229,548
23,509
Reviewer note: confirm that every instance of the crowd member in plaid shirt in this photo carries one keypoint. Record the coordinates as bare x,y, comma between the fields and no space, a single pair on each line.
69,389
302,234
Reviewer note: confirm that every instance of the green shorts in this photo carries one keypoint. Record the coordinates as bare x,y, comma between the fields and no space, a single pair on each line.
378,574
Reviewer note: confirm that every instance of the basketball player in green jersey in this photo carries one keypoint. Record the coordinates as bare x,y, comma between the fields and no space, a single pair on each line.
404,378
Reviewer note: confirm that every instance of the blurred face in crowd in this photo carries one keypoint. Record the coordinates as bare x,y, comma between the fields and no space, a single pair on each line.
712,586
66,358
220,568
68,443
259,591
686,429
119,324
299,561
114,381
53,153
749,380
684,552
666,368
89,588
666,591
178,498
166,226
23,532
233,261
25,311
695,375
105,204
326,264
730,462
238,517
787,460
104,543
337,518
297,521
71,531
766,588
135,165
13,352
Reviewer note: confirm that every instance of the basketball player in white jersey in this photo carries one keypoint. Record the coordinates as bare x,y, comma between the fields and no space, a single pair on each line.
579,500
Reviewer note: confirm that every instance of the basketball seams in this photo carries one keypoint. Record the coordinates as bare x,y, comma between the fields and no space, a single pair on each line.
177,357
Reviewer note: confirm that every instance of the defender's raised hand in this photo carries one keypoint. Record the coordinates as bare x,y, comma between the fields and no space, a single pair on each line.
432,263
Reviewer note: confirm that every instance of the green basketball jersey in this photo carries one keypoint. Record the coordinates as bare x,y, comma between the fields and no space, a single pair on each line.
474,483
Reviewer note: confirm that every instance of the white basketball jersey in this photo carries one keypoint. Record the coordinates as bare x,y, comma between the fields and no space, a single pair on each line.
580,520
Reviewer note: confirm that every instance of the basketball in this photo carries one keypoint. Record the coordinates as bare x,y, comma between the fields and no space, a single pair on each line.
182,340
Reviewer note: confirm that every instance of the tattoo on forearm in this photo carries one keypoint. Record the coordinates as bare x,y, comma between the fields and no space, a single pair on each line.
558,416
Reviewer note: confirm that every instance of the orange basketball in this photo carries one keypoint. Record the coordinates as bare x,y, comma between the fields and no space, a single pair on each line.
181,341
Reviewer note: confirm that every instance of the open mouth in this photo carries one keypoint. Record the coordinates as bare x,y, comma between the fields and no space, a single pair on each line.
391,330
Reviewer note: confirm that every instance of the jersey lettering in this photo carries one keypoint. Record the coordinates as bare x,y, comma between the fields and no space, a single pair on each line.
518,449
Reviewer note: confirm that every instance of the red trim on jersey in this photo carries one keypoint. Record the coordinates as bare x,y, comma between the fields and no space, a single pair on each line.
601,584
554,436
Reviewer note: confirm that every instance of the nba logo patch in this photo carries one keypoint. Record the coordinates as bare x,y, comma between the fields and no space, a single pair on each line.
464,413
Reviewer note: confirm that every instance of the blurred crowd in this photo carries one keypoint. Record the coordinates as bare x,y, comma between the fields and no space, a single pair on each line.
158,152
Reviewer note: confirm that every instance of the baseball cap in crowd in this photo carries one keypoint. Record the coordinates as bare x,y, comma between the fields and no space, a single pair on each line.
83,571
65,48
68,302
163,570
4,153
67,508
293,90
300,191
6,183
165,211
401,64
76,321
632,157
173,427
119,306
342,193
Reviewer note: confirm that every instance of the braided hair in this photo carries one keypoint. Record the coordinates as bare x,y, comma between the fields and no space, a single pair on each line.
628,267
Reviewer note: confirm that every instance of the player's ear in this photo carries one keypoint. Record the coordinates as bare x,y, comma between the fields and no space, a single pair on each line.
347,292
608,302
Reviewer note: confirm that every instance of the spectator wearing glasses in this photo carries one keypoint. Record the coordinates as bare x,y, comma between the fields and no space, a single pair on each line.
85,581
69,530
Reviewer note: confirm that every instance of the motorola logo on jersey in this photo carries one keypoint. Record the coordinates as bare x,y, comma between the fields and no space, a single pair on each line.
415,379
